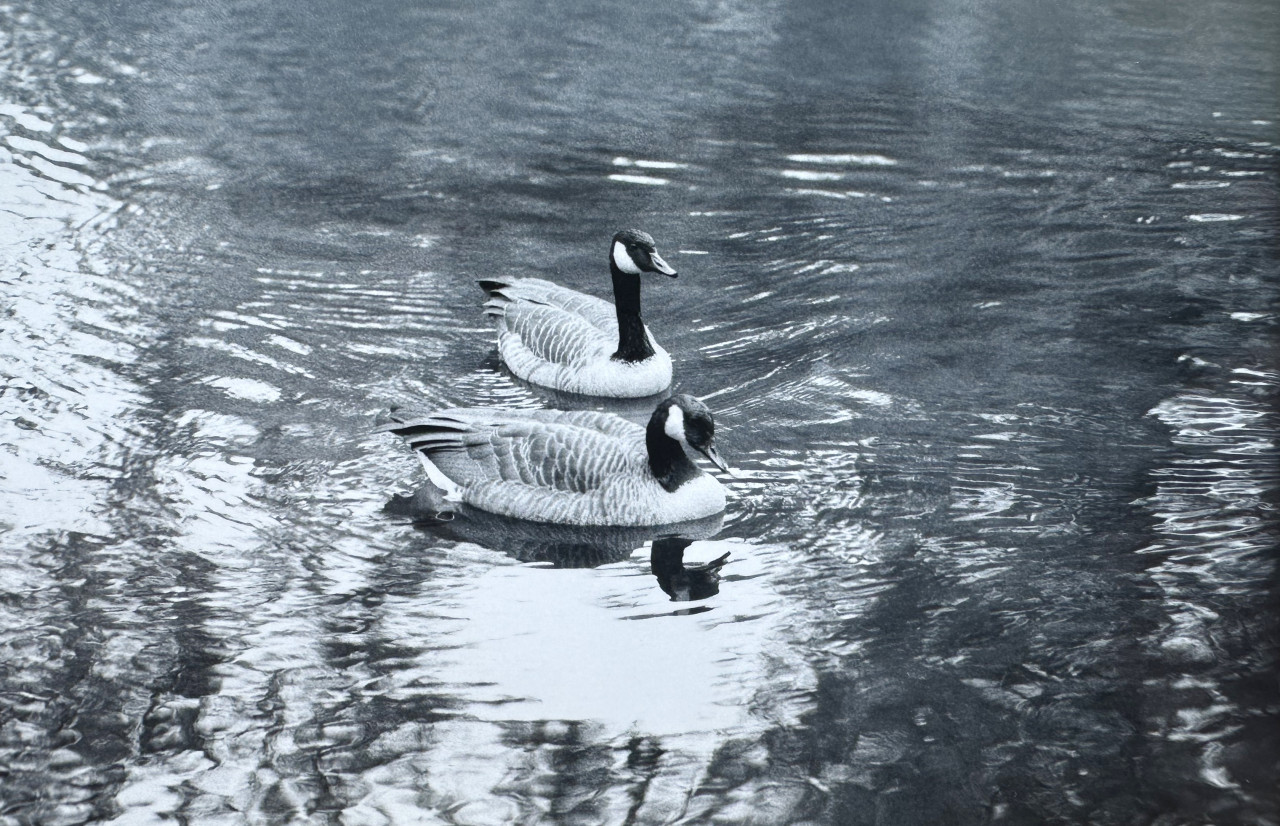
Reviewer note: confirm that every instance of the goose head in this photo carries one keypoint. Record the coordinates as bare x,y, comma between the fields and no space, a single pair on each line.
680,430
633,252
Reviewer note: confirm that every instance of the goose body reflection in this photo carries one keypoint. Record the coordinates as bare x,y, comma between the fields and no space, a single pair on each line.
573,468
563,546
560,338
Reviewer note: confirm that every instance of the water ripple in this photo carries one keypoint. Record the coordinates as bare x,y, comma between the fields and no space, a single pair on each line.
929,295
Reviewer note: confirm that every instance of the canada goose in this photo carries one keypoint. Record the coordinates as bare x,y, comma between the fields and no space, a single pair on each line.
573,468
560,338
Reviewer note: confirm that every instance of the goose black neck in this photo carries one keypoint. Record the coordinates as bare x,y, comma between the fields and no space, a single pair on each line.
666,560
667,461
633,341
666,557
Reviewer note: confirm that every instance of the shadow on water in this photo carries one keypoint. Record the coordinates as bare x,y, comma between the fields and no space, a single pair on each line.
563,546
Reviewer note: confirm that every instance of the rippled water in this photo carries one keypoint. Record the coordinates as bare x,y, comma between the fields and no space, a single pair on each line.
983,296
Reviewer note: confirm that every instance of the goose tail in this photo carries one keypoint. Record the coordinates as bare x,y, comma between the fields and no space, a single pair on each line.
450,489
496,304
427,435
713,566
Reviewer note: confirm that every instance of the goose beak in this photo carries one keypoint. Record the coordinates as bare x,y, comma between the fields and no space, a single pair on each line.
713,456
661,266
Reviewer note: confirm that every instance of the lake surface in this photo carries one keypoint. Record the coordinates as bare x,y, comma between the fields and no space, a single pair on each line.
984,299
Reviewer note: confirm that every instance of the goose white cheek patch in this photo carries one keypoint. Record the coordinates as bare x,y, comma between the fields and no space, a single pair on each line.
675,424
623,261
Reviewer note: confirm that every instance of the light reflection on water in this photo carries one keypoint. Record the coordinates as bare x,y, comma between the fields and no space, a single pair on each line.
988,340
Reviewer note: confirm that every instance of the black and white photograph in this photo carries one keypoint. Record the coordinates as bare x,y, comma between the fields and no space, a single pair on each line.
668,413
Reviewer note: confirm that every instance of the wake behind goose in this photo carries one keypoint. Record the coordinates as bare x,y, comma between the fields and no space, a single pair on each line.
573,468
563,339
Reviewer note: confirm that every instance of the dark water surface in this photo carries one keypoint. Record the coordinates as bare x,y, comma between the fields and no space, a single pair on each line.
984,298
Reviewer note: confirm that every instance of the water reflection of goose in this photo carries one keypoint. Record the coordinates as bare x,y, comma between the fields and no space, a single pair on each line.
573,468
681,582
604,646
564,546
557,337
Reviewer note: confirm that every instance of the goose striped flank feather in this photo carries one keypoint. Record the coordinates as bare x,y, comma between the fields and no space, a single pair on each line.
572,468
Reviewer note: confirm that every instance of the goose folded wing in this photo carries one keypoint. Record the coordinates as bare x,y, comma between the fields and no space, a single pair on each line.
559,336
542,449
595,311
560,458
476,418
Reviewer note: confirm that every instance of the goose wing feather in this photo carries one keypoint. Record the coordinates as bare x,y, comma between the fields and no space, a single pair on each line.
478,417
567,452
595,311
554,335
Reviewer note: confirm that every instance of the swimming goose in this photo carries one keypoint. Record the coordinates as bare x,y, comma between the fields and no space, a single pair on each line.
560,338
573,468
